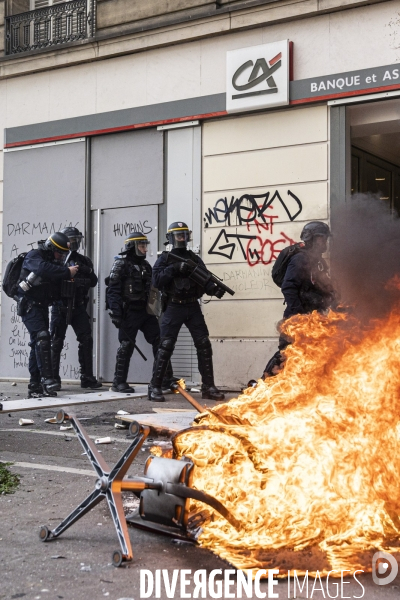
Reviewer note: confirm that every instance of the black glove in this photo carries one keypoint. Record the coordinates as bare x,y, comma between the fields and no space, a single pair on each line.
182,268
116,320
85,270
219,292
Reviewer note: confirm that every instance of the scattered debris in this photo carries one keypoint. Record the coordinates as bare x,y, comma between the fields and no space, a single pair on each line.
178,542
130,503
13,383
104,440
58,556
122,412
87,568
68,439
51,420
195,390
65,427
26,422
121,426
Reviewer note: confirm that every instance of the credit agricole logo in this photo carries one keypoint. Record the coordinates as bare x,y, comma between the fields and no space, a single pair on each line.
257,77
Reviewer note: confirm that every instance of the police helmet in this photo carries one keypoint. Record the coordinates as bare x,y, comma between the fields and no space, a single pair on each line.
134,243
57,242
75,237
313,229
178,234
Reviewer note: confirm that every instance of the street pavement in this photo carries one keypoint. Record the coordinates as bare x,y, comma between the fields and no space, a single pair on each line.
55,477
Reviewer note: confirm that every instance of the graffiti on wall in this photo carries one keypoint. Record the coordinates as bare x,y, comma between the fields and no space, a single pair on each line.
124,229
19,232
18,239
260,238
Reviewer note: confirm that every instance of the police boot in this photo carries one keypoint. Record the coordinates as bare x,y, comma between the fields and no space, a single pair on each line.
35,389
160,368
85,357
169,378
56,349
204,356
43,347
122,367
274,365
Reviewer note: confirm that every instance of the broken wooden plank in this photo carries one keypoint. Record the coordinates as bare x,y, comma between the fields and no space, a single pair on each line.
8,406
162,423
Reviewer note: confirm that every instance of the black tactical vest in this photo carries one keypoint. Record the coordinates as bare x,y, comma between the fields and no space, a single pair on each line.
318,292
184,288
136,282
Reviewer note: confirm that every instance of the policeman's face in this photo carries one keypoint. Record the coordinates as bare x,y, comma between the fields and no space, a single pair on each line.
320,244
142,248
59,255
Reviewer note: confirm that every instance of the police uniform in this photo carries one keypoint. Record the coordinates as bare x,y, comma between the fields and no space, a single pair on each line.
34,301
80,320
306,286
127,294
181,299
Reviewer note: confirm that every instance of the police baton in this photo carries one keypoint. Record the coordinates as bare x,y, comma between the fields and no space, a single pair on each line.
132,342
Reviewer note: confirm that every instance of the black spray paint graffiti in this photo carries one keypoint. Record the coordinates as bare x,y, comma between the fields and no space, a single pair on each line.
253,248
41,229
250,208
124,229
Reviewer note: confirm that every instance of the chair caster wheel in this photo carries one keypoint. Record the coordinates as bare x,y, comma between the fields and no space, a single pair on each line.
134,429
117,558
44,533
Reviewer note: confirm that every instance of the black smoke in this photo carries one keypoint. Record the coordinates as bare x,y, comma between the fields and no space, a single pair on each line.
365,255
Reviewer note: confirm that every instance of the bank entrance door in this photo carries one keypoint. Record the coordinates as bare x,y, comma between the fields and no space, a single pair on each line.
375,150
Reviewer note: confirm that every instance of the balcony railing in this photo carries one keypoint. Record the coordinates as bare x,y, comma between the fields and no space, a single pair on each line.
50,26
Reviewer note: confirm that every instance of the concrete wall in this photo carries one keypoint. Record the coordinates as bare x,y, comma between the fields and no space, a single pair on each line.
264,176
112,13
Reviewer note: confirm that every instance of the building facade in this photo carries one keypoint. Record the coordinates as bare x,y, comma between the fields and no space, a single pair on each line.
245,119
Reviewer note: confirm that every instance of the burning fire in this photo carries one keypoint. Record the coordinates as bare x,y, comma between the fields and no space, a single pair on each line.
309,460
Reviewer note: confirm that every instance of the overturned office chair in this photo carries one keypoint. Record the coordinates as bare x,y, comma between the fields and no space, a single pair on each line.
164,492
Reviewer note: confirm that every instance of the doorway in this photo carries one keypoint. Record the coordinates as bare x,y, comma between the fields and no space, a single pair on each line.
375,150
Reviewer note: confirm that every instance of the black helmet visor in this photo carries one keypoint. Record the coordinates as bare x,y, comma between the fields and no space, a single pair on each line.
179,238
140,245
75,242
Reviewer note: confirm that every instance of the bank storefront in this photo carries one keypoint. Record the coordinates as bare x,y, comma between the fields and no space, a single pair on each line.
245,168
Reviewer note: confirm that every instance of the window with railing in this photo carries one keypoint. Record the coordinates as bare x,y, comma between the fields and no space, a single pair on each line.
50,23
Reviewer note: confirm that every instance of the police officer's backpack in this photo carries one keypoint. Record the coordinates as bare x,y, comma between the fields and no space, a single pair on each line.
12,275
281,264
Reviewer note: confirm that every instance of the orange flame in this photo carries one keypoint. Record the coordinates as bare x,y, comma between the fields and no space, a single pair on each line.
309,460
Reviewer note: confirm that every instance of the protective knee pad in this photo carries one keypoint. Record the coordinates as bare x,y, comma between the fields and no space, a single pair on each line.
203,345
167,344
43,338
126,347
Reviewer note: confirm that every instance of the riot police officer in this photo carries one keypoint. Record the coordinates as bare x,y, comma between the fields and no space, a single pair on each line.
40,279
128,288
307,284
182,296
73,311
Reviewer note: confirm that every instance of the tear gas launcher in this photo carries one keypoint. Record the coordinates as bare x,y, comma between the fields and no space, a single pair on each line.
198,273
